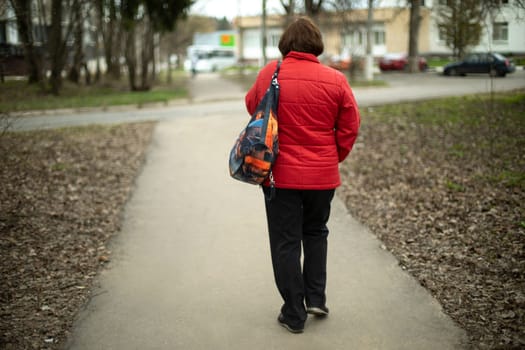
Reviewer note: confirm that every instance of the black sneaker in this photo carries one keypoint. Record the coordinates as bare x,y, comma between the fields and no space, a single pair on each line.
291,329
319,311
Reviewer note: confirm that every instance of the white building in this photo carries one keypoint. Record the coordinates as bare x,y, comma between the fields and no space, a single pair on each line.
503,30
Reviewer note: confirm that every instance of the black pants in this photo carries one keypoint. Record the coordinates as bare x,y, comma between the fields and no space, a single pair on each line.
296,216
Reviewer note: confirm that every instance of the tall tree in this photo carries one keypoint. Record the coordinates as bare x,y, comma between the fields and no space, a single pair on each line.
151,16
24,20
289,10
110,30
313,8
459,22
369,61
59,37
56,47
413,36
129,10
264,42
343,9
174,44
78,42
224,24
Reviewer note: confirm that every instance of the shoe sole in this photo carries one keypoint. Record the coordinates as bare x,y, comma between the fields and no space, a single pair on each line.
290,329
317,311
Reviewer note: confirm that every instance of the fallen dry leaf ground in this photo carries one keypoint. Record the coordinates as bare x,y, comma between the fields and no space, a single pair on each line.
442,184
61,199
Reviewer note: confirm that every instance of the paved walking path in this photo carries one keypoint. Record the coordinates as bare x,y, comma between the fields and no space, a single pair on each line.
191,267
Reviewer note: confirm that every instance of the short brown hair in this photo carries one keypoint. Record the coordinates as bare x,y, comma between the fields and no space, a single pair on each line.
303,36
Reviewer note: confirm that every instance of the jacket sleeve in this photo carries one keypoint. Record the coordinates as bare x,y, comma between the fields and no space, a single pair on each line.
347,124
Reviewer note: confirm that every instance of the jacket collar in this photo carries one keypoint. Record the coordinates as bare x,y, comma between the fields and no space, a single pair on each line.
302,56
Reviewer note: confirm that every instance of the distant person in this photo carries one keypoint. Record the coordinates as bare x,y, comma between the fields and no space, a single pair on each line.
194,61
318,125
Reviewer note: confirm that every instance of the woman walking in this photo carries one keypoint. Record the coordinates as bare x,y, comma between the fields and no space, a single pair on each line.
318,125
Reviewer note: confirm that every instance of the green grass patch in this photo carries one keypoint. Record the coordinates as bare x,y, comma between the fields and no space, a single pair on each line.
366,83
512,99
509,178
519,61
20,96
458,150
465,110
482,134
437,62
245,69
60,166
454,186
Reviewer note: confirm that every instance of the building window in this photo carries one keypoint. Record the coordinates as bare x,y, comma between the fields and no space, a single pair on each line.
273,40
354,38
347,39
500,31
379,37
358,37
39,33
442,33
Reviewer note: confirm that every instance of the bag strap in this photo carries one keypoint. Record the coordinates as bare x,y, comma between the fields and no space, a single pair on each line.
272,93
275,82
274,85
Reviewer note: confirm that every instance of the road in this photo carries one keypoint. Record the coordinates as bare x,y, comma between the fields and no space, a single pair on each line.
211,95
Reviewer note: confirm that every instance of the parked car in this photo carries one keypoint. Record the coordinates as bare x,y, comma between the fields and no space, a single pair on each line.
399,61
340,62
488,63
209,58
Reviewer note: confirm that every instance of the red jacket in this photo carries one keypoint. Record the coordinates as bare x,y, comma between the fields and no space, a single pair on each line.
318,121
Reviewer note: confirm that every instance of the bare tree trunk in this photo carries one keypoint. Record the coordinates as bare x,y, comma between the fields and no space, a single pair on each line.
97,56
144,55
131,60
169,78
108,42
313,8
111,37
289,9
263,33
415,19
154,45
369,74
25,30
118,49
74,72
56,46
147,47
87,73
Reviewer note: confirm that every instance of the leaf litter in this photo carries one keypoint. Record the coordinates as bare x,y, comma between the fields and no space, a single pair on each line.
61,200
444,189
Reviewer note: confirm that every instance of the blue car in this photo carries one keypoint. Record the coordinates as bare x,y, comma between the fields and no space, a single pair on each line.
494,64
